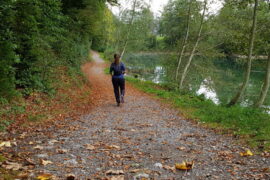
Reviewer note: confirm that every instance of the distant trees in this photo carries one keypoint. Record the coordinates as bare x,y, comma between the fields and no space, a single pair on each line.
230,32
135,29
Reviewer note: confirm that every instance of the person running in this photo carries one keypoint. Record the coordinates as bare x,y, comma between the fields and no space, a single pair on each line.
117,70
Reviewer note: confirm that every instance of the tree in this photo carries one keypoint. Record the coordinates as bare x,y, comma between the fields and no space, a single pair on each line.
249,60
181,53
8,56
266,85
194,47
129,28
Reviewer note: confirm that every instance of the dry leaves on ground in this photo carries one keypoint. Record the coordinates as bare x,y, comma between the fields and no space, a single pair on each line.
185,165
45,162
12,166
246,153
5,144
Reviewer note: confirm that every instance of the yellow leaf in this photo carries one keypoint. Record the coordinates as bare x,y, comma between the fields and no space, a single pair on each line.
184,165
44,177
5,144
247,153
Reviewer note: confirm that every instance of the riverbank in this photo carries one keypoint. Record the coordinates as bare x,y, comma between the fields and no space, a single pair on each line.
244,123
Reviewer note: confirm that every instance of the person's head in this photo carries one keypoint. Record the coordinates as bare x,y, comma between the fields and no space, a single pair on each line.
117,58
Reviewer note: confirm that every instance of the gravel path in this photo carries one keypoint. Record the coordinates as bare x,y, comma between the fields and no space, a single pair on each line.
143,139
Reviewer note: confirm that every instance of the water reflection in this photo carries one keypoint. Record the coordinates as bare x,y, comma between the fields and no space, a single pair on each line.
207,91
159,73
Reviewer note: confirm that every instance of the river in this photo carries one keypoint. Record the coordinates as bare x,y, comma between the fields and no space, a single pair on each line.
217,79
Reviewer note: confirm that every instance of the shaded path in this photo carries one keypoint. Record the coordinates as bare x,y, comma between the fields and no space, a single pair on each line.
142,138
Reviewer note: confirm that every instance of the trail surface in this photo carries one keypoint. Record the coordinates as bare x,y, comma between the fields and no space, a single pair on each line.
143,138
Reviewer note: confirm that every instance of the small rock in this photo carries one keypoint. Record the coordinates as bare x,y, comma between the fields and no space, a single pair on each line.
135,165
42,155
70,162
159,165
98,169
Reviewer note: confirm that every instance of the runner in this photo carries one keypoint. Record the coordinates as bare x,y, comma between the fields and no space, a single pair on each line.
117,70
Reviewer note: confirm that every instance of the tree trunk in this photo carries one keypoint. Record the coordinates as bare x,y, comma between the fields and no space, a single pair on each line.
129,28
184,42
265,87
249,63
194,47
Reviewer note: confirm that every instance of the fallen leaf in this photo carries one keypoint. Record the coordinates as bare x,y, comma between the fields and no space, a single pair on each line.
247,153
90,147
44,177
23,135
182,148
45,163
185,165
61,151
5,144
29,161
12,166
135,170
114,172
23,175
53,141
171,168
38,147
114,147
117,178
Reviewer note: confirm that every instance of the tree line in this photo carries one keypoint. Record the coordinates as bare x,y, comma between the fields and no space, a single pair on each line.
187,28
40,37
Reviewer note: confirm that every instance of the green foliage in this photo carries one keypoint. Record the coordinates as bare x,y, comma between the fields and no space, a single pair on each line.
38,36
242,121
8,56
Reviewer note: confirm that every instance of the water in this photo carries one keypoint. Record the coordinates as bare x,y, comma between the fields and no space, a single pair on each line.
216,79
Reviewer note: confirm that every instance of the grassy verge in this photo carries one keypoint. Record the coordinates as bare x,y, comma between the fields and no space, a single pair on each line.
252,125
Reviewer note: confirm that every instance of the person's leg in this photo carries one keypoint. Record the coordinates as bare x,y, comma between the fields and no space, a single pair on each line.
116,89
122,89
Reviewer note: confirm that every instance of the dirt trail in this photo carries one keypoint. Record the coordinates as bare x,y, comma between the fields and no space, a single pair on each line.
141,138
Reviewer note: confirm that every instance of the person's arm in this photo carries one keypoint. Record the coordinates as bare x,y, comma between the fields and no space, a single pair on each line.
123,68
111,70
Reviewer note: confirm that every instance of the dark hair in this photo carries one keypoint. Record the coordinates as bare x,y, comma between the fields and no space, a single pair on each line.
116,55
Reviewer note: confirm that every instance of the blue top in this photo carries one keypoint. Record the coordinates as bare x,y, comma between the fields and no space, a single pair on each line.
118,70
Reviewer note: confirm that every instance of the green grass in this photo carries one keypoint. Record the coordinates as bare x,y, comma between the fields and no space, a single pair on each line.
253,125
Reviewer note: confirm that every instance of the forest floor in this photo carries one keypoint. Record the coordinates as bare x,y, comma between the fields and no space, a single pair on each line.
142,139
